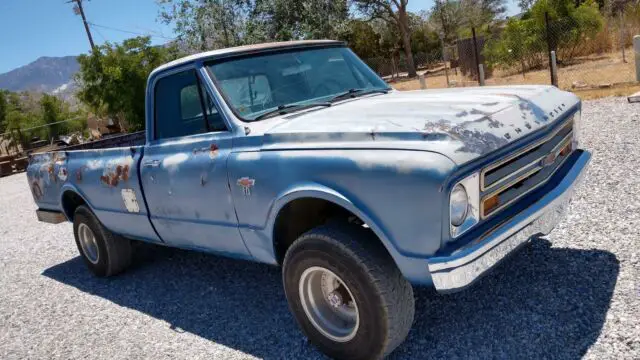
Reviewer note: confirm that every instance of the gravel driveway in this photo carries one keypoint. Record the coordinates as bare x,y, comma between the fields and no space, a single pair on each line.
574,294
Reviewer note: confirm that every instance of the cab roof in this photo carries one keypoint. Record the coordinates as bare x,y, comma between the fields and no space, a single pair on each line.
246,49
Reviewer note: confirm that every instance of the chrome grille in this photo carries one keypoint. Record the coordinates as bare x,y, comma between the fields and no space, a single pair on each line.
509,179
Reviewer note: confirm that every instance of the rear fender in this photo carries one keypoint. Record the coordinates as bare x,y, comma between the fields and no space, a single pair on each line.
68,187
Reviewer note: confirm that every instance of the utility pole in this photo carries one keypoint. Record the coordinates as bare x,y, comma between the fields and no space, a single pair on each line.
80,11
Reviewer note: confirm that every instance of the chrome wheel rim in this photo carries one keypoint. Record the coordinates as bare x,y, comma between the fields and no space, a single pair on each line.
88,243
329,304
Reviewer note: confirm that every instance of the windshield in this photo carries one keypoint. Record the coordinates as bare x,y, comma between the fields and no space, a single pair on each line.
260,84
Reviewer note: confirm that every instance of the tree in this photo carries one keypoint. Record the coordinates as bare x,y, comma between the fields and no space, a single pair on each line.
525,5
21,112
212,24
363,39
207,24
3,110
524,41
477,13
112,79
424,37
447,16
53,110
394,12
570,24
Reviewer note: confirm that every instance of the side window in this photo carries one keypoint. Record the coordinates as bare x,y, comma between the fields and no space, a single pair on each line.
178,109
213,116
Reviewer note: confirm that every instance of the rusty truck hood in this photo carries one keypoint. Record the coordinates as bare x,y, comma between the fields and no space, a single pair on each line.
461,123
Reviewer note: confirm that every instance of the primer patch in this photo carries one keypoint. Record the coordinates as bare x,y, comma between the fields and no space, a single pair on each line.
130,200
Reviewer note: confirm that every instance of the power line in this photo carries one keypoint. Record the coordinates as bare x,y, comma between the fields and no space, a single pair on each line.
45,125
99,33
128,31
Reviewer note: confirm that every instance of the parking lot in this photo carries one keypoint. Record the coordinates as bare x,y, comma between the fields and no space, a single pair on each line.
574,294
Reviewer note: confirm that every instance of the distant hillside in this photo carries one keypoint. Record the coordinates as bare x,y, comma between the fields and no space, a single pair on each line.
46,74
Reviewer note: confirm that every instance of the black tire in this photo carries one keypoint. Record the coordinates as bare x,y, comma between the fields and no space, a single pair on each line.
113,251
384,298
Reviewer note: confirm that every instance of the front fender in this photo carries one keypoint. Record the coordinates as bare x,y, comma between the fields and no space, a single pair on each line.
397,193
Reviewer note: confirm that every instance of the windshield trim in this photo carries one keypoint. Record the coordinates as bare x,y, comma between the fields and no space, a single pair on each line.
206,65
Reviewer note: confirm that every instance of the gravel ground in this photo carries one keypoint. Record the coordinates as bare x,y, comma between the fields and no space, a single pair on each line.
574,294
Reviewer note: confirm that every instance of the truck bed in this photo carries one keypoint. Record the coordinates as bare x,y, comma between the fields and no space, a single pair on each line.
127,140
106,176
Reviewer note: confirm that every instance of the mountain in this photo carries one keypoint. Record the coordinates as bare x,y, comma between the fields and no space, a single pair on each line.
46,74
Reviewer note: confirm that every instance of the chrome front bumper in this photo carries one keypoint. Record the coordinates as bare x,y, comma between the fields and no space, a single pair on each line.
455,272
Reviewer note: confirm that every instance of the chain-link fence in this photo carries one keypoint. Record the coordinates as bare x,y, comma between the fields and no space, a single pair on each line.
588,55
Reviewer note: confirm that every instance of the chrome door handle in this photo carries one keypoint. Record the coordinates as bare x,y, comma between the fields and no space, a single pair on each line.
151,163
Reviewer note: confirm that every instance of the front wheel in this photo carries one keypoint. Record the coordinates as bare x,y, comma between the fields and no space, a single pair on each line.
346,293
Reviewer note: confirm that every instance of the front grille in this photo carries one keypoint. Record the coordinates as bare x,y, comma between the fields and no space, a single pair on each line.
507,180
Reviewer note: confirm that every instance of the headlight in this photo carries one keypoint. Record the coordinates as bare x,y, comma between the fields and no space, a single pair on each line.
464,202
459,205
577,118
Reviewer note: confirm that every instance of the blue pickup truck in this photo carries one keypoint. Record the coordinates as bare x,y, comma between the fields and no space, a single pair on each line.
297,154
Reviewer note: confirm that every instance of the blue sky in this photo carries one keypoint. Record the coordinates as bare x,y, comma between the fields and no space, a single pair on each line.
30,29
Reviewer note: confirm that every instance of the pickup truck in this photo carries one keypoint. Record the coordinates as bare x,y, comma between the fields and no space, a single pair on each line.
297,154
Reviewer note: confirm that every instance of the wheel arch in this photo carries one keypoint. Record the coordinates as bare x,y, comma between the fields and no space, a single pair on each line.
70,199
313,198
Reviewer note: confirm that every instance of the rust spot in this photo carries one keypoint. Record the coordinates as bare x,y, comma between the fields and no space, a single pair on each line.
79,175
119,173
213,151
51,172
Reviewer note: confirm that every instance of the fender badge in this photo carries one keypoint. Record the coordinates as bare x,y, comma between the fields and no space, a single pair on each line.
246,184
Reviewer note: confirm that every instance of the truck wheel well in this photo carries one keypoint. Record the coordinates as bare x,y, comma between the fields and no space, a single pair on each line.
70,202
302,215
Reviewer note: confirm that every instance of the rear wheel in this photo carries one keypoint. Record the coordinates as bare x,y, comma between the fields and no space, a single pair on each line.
104,252
346,293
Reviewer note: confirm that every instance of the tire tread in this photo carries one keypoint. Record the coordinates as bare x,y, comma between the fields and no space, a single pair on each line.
119,251
365,249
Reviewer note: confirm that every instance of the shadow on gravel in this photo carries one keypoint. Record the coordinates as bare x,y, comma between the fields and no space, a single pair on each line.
542,302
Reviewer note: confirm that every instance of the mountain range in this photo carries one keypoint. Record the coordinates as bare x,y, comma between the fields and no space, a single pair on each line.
47,74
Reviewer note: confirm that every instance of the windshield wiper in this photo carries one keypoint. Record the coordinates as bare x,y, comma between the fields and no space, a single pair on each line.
287,108
352,93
